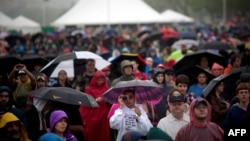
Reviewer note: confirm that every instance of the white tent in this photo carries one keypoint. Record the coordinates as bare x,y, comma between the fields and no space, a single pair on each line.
87,12
4,19
171,16
25,25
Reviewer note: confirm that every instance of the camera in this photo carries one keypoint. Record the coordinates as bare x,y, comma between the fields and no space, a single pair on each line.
19,67
124,97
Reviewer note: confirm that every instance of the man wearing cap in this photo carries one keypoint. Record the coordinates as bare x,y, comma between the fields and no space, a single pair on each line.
200,126
41,81
177,118
23,85
127,72
12,129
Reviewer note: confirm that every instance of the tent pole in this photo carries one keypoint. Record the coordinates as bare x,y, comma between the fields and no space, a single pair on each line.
108,14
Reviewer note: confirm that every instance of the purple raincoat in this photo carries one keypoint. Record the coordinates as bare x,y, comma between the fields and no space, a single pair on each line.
54,118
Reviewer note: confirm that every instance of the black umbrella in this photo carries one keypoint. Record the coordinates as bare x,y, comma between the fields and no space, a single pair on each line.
11,39
216,45
116,63
152,37
7,63
193,59
229,81
192,73
31,60
50,56
143,32
65,95
37,36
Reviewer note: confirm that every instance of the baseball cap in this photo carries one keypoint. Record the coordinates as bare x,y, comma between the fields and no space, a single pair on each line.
200,101
41,78
176,97
21,72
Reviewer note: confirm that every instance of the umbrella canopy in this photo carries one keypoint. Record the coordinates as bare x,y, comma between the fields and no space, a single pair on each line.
31,60
216,45
145,90
192,73
208,89
65,95
188,42
11,39
7,63
152,37
229,81
143,32
193,59
188,35
116,67
72,63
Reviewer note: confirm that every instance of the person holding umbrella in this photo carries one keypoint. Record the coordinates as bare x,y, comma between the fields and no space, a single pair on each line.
129,116
220,107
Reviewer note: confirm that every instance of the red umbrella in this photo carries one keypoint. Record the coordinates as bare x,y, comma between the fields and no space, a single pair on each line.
169,33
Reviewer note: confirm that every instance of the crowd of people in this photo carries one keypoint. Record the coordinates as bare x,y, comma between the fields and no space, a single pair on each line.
182,114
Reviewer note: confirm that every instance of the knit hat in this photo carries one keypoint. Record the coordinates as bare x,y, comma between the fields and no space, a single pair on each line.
157,134
132,136
217,66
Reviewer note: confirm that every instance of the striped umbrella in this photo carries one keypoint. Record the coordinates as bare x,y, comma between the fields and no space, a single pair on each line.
145,91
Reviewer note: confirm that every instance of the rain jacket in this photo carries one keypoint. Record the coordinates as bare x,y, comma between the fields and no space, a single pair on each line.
50,137
126,119
9,117
195,131
95,119
9,106
54,118
124,77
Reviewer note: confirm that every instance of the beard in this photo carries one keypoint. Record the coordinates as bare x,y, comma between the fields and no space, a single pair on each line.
14,136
